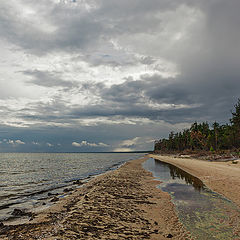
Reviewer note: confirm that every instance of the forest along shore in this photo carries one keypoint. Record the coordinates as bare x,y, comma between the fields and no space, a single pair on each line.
121,204
221,177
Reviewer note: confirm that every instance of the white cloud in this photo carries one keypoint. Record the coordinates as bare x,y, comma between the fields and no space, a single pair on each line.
135,144
85,143
103,144
76,144
11,142
19,142
49,144
129,142
123,150
15,142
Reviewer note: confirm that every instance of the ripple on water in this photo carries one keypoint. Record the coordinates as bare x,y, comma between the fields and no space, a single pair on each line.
29,179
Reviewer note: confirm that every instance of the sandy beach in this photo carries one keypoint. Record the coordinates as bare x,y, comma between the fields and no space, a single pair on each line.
121,204
125,204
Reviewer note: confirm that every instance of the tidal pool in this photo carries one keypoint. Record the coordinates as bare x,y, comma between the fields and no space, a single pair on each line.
206,214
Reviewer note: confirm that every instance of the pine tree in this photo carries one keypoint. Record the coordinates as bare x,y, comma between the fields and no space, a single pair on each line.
235,121
201,137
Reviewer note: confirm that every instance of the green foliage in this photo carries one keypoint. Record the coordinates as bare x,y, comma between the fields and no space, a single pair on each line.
211,149
201,137
235,121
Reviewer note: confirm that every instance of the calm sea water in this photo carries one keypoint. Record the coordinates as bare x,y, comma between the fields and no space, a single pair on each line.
203,212
26,179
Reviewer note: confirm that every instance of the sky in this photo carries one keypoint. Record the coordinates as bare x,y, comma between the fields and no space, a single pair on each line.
110,75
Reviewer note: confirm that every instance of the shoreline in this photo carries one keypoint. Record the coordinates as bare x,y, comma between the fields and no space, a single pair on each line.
23,211
119,204
124,203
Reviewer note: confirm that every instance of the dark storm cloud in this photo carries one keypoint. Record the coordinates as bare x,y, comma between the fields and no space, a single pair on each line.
206,54
205,100
65,28
48,79
209,66
70,28
132,99
156,88
211,75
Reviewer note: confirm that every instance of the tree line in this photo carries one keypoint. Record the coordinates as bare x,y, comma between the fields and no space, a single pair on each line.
202,136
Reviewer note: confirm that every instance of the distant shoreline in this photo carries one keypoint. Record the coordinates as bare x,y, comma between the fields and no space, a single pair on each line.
83,152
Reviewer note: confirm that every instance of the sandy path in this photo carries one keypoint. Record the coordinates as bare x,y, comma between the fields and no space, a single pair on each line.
222,177
122,204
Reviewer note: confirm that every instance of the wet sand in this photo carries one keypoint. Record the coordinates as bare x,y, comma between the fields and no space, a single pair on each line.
221,177
121,204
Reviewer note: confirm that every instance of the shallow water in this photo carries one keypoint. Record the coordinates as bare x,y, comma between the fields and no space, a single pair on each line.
28,178
206,214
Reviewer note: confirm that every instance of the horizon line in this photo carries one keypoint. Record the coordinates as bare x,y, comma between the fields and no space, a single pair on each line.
85,152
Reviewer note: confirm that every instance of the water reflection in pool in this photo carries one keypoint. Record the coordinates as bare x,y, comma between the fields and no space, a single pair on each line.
177,173
206,214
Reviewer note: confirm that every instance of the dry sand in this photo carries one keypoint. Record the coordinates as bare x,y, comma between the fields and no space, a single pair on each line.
122,204
221,177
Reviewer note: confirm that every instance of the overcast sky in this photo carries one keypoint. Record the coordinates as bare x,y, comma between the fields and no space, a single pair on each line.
110,75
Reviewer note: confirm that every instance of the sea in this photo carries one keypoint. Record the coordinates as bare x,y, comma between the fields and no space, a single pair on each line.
28,181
